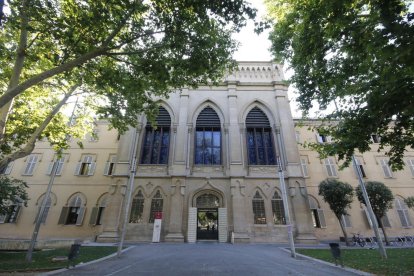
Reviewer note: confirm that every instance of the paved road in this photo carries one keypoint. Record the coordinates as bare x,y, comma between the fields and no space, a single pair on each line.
206,259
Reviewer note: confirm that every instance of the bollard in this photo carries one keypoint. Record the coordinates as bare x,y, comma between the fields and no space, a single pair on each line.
73,252
336,253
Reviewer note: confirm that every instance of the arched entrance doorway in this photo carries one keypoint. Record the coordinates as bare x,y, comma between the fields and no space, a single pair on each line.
207,217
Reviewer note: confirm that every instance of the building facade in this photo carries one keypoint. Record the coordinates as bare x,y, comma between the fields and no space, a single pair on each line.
209,169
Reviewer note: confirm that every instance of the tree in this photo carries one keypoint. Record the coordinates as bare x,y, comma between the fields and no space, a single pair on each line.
339,195
410,202
120,54
357,55
381,198
11,190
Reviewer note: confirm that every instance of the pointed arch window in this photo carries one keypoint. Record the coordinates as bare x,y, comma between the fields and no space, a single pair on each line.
156,206
260,148
259,209
137,208
278,209
157,140
208,138
46,210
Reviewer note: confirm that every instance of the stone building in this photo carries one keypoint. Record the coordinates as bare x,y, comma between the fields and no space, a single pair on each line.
210,168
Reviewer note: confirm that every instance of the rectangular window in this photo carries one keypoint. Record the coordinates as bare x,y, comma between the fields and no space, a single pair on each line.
110,165
304,165
330,167
359,163
411,166
156,145
297,136
31,163
86,166
208,146
11,214
7,169
386,168
260,146
346,220
375,138
61,162
323,138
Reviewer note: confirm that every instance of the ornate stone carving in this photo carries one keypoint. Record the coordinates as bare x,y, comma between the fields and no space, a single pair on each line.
263,170
152,169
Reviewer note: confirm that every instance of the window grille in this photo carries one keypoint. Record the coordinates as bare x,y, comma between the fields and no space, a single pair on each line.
137,208
258,209
278,209
156,206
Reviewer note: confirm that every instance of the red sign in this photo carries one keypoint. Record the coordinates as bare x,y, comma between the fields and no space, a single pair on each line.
158,215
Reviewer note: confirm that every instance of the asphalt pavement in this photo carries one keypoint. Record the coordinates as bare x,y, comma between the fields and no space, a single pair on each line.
207,259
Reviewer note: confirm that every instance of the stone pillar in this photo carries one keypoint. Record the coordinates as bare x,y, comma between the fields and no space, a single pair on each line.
112,212
302,214
240,223
235,140
175,232
180,146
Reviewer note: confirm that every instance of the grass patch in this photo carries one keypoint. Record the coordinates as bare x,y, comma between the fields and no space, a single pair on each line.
400,260
42,260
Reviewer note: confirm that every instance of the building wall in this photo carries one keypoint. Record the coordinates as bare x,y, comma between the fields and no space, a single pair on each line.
401,184
181,181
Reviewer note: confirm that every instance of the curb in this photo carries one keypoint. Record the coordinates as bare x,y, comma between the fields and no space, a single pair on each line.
357,272
53,272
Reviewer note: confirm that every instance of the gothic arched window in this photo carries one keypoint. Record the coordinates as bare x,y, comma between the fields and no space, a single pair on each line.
157,140
208,138
260,148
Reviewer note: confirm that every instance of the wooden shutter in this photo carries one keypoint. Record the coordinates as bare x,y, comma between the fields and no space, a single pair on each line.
321,218
94,216
78,168
81,214
49,168
63,215
9,168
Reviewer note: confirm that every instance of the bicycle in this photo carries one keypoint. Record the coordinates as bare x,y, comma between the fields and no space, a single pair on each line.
358,239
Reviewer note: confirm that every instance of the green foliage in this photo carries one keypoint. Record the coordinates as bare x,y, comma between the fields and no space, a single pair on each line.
380,197
124,55
12,191
409,201
357,54
339,195
42,260
399,261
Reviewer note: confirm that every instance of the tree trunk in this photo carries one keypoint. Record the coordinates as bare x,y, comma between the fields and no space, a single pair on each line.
343,230
17,68
383,230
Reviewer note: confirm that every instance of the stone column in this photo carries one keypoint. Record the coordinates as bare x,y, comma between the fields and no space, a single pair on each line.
175,227
238,200
180,145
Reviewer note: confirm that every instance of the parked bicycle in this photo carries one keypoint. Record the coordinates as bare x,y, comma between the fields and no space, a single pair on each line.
358,239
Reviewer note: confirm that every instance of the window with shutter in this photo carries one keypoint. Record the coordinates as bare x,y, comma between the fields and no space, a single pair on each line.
86,166
304,165
74,212
402,211
317,214
31,163
330,167
346,220
359,165
110,165
386,168
410,163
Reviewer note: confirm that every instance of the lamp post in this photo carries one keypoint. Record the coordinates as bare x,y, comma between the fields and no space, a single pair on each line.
128,192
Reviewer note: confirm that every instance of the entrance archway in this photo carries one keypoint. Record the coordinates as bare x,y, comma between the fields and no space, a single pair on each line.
207,217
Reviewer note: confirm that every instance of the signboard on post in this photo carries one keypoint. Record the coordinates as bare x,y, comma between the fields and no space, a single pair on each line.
157,227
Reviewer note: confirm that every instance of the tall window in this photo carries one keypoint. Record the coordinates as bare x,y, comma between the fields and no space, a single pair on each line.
317,214
12,212
157,140
208,138
330,167
31,163
259,139
402,211
156,206
110,165
386,168
98,210
304,164
410,163
59,169
137,208
47,207
359,163
7,169
86,166
74,212
278,209
346,220
258,209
